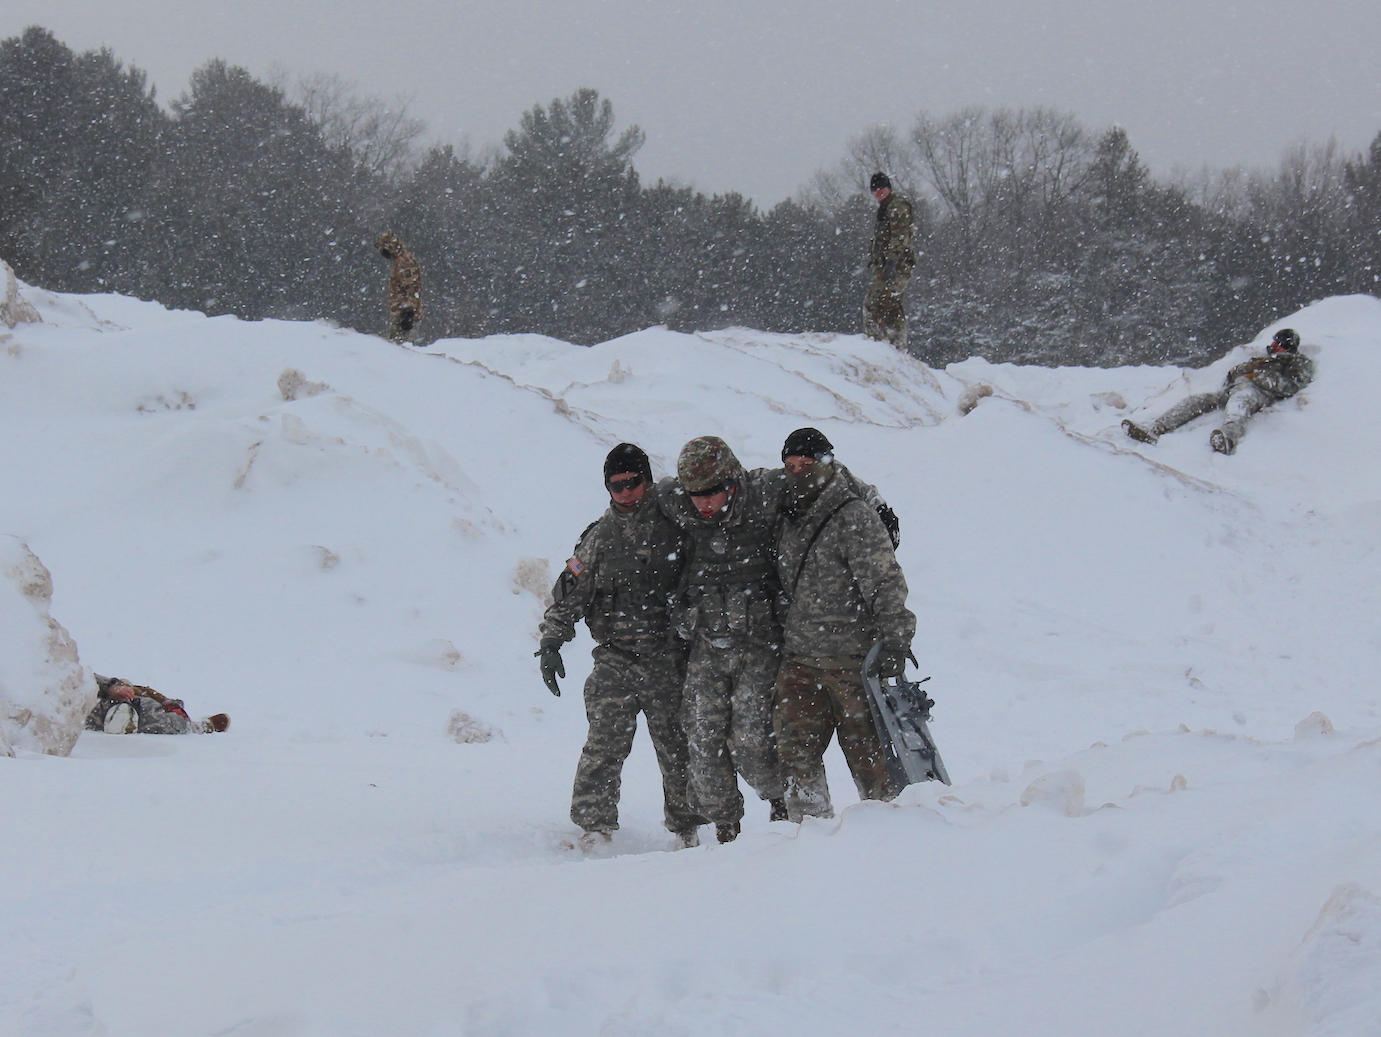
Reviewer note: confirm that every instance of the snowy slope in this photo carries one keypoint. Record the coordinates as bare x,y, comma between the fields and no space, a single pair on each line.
1122,639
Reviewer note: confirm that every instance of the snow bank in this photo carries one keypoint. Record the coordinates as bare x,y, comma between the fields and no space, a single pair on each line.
1154,670
14,308
45,692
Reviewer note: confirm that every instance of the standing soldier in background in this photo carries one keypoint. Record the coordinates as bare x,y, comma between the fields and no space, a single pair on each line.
620,581
846,592
727,610
890,261
404,287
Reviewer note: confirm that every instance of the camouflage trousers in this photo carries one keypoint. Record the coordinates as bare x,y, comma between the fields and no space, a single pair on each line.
1239,402
621,686
884,309
401,324
727,715
815,699
151,718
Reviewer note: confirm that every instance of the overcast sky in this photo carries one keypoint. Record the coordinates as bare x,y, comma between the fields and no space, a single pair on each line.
754,96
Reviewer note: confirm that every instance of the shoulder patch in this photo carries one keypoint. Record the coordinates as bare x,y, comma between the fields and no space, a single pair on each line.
575,566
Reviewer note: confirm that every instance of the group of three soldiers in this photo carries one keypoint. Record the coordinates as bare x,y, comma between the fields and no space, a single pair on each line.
733,609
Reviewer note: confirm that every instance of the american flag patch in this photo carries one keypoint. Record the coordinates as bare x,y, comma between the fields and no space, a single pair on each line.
576,566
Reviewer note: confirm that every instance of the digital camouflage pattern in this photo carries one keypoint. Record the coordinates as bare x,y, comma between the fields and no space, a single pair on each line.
629,572
620,581
150,718
890,260
727,605
621,686
845,592
726,713
1279,375
848,592
404,287
1248,387
814,700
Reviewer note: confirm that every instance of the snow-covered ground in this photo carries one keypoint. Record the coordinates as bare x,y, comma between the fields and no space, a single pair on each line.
1155,671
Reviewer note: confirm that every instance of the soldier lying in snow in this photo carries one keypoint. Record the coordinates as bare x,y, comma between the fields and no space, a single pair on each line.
1250,386
123,708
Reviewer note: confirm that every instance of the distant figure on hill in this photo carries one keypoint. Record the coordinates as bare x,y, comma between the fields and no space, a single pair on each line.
404,287
123,708
890,260
1251,385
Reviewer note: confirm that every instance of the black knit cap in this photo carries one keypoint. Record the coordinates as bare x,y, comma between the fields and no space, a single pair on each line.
626,457
806,442
880,180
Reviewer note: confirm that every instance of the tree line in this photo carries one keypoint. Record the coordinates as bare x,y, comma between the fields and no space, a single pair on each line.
1039,240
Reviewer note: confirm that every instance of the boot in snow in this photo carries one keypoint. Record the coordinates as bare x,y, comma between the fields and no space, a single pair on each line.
1221,442
778,810
687,840
594,839
211,724
726,831
1141,433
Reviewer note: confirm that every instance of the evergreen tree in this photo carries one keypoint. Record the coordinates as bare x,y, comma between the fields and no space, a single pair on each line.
78,136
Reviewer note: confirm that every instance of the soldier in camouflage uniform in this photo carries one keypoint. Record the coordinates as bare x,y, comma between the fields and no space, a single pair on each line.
620,581
727,611
404,287
123,708
1251,385
845,592
890,260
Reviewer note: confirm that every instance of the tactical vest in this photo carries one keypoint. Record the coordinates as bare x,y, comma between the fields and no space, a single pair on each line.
730,580
634,579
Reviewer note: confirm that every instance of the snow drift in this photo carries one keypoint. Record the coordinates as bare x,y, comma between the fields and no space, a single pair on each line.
44,691
1155,674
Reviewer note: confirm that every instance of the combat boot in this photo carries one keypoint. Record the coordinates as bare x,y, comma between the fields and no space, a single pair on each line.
726,831
211,724
687,840
778,810
1222,440
1141,433
595,838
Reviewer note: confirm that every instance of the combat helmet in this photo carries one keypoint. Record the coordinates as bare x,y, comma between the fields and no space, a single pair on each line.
1287,339
706,462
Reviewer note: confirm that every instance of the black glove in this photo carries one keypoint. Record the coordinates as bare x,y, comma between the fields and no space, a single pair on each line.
892,661
552,666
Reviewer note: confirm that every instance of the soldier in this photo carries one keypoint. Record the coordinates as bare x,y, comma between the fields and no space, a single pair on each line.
620,581
727,603
123,708
404,287
890,260
1249,386
846,592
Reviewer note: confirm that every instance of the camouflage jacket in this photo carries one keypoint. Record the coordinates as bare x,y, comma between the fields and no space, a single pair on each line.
892,238
404,279
728,589
621,582
841,578
1280,375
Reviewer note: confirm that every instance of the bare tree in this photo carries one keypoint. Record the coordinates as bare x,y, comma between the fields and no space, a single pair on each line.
380,135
